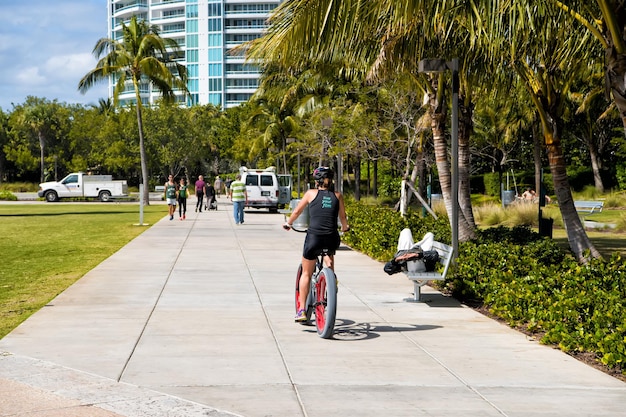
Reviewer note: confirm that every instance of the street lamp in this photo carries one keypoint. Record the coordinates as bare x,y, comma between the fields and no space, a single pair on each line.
441,65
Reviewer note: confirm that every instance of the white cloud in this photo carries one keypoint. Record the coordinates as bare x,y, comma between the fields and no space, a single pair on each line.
30,77
69,67
45,49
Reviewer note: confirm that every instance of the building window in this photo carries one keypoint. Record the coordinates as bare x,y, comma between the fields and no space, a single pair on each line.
215,70
192,41
215,54
241,37
242,69
192,11
215,99
192,70
173,13
243,82
215,10
192,26
215,39
192,55
215,25
246,23
215,84
249,8
175,27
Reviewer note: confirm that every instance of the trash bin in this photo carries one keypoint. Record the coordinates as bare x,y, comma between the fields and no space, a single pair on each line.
508,197
302,222
545,227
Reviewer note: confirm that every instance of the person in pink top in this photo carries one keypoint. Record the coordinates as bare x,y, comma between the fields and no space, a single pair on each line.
200,184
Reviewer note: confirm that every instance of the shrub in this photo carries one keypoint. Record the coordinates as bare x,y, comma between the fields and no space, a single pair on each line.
7,196
489,214
375,230
492,183
20,187
614,200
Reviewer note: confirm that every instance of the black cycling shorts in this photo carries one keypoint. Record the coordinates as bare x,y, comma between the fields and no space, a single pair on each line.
313,245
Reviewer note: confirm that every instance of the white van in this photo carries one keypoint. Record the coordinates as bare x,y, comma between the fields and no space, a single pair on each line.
266,189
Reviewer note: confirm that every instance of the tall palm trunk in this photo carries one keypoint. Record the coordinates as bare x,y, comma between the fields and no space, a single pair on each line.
616,79
578,240
465,198
596,166
438,123
42,153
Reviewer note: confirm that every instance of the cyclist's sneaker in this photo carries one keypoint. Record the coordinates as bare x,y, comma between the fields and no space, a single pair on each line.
301,315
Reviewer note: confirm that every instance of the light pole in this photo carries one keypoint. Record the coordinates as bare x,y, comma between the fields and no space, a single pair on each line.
441,65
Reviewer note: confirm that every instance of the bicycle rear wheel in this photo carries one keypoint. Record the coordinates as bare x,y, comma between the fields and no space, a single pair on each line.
325,303
309,299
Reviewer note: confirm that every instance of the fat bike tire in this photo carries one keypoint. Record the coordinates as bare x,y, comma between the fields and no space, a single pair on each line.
325,303
309,298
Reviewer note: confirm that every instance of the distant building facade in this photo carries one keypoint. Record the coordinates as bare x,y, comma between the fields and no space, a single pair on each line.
205,30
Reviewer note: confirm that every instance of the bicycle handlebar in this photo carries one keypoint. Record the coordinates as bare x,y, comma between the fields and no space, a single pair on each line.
288,227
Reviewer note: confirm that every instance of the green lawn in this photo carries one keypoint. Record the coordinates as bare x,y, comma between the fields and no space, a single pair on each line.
47,247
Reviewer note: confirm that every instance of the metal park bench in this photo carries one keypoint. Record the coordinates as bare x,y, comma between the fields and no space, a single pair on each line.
421,278
589,206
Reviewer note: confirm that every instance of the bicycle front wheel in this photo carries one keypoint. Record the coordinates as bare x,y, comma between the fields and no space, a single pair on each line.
309,299
325,303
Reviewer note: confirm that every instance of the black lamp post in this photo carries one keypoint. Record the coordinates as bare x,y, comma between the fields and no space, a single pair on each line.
441,65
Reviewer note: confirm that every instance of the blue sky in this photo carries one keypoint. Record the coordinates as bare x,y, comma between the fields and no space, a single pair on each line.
46,48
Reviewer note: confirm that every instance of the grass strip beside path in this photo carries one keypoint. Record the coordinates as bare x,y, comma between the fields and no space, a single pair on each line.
47,247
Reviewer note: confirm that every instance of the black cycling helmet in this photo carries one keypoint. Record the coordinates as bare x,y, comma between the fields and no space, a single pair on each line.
323,172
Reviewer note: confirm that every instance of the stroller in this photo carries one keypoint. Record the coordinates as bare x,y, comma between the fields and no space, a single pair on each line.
211,203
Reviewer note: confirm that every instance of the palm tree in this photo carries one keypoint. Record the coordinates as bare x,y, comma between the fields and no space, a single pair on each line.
381,39
141,55
548,61
610,31
42,118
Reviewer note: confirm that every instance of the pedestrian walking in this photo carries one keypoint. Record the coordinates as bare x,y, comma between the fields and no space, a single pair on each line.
209,192
218,185
239,197
227,186
183,193
200,184
169,192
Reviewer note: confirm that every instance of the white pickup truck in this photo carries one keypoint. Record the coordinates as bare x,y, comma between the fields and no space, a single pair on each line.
81,185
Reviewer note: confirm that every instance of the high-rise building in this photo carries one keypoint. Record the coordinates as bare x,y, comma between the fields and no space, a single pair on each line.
205,30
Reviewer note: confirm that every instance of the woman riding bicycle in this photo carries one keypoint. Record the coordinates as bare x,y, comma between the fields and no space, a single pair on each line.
325,204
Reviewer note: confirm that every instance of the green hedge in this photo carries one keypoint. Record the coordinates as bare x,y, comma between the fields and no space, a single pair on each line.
375,230
7,196
521,277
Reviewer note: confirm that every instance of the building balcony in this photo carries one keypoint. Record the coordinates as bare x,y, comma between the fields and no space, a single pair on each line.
128,9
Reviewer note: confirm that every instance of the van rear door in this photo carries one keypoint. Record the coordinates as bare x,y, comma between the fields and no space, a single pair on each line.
284,189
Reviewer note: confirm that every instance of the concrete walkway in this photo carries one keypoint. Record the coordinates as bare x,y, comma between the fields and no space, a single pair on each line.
195,318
